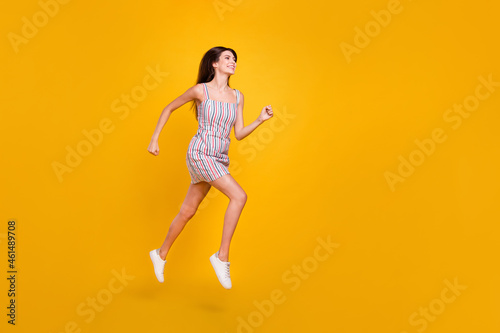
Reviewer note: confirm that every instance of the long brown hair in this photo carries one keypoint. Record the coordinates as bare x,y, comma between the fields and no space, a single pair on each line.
206,72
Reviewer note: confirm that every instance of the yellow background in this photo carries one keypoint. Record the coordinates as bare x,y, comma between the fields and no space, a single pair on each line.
318,172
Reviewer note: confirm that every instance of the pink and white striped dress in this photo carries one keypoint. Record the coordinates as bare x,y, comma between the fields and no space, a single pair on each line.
207,155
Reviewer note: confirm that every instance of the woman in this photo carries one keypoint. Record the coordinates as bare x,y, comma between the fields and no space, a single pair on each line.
218,109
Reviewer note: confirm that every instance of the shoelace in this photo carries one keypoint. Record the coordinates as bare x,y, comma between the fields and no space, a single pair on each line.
226,271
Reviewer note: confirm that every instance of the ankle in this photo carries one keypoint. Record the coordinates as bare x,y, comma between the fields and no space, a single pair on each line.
223,257
163,255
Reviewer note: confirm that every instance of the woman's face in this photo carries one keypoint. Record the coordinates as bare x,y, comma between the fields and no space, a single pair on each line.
227,63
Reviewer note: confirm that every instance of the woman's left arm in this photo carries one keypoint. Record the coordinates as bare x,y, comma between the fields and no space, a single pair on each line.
241,131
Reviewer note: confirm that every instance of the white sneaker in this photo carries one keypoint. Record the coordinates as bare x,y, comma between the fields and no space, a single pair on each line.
158,263
221,270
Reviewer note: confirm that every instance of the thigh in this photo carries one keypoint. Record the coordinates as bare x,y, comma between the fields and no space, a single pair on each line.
195,195
228,185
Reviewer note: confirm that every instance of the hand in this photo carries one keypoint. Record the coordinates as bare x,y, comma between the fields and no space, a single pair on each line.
266,113
153,148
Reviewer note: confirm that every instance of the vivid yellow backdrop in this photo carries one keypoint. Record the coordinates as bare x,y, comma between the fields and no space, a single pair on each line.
324,169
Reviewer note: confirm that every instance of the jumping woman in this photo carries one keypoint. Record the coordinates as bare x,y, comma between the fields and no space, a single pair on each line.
218,109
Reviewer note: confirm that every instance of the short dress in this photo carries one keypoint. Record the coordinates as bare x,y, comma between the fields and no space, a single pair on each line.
207,155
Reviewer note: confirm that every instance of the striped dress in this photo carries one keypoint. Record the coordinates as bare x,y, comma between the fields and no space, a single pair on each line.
207,155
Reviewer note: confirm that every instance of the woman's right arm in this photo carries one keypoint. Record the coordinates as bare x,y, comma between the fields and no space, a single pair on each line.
192,93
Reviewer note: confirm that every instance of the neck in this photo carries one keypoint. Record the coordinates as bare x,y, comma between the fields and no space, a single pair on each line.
219,83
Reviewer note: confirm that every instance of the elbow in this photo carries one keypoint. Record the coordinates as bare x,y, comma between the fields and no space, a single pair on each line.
167,111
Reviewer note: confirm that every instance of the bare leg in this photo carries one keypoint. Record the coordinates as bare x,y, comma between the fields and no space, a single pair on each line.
237,199
195,195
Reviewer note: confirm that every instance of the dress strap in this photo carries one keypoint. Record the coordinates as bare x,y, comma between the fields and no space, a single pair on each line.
206,90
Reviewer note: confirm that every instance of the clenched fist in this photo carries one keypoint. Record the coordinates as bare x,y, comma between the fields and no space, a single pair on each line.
266,113
153,148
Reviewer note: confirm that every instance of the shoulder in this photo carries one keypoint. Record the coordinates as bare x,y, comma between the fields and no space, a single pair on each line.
198,89
238,92
239,98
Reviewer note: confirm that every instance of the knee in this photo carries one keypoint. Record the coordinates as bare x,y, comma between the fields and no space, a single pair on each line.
241,198
187,213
